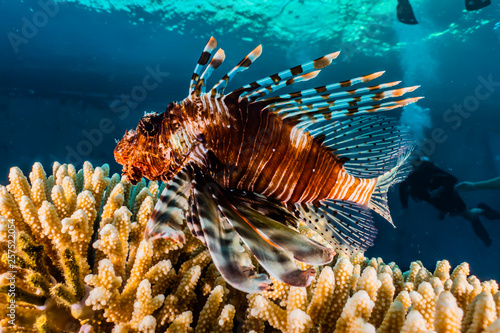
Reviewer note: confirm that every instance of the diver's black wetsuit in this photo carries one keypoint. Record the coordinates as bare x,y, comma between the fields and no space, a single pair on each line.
427,178
405,11
429,183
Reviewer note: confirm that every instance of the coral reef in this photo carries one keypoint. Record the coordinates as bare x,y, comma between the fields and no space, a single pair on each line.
73,259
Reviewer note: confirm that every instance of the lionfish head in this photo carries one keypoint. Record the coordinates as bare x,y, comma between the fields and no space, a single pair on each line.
145,152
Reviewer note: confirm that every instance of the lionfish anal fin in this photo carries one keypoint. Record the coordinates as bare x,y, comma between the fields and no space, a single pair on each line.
347,226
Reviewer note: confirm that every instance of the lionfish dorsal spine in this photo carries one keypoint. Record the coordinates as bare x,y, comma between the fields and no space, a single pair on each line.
202,62
307,96
281,103
219,87
257,87
334,106
216,61
263,91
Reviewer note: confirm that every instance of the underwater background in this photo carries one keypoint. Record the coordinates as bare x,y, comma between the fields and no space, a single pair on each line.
72,81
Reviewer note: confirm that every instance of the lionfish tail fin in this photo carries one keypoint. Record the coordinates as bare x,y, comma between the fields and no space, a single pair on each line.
378,201
346,226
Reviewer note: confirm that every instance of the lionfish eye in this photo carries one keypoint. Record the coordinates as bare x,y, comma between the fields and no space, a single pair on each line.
148,128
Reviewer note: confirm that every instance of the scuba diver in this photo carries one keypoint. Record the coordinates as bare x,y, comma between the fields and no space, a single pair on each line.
489,184
429,183
405,11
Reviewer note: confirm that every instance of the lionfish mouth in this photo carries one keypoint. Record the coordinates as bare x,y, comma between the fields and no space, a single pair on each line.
133,174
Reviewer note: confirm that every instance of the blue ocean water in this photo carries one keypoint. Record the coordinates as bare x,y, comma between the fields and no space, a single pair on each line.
73,80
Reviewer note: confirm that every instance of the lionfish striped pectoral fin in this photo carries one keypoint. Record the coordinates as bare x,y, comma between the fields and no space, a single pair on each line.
273,245
223,242
167,219
193,219
266,206
276,260
300,246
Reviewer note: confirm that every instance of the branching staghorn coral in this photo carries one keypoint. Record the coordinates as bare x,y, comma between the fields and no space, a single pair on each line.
81,265
373,305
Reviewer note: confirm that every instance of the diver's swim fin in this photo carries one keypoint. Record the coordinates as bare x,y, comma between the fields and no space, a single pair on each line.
476,4
480,231
489,212
405,12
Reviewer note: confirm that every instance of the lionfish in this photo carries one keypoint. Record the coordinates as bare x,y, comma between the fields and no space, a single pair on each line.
244,169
